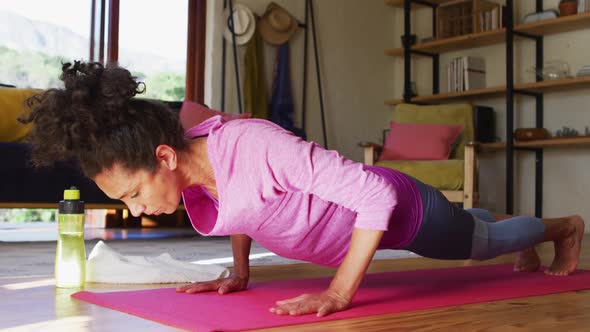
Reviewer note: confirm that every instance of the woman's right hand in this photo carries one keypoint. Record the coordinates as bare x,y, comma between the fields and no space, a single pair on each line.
233,283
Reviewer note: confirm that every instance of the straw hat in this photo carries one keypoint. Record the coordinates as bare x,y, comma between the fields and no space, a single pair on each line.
277,25
244,24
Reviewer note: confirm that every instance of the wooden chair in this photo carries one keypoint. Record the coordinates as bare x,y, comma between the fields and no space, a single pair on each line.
456,178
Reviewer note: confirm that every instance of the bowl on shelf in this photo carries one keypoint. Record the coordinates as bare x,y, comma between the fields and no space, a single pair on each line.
568,7
530,134
552,70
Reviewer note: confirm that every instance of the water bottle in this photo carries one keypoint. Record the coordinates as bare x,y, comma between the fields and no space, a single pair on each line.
70,256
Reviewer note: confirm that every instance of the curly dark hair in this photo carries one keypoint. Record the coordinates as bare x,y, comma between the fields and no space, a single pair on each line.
96,119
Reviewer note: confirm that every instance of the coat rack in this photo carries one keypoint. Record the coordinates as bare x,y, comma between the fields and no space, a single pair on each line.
309,14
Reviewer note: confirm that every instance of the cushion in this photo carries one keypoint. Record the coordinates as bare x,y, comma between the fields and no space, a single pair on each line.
12,105
441,174
458,114
419,141
191,114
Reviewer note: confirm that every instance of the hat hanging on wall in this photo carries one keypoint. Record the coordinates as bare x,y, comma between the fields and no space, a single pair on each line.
277,25
244,24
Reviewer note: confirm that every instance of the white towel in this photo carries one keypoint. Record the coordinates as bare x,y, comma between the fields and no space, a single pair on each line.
105,265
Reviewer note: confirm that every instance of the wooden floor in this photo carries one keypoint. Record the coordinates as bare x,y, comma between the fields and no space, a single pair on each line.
31,304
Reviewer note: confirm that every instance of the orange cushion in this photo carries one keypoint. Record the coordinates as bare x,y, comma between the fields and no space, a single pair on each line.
419,141
191,114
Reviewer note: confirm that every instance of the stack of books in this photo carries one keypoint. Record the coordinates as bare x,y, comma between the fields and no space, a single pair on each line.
454,19
462,17
489,16
466,73
584,71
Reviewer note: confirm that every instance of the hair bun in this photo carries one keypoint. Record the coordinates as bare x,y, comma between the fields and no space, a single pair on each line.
90,83
81,75
118,86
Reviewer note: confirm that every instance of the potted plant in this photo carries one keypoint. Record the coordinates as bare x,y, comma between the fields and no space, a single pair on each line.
568,7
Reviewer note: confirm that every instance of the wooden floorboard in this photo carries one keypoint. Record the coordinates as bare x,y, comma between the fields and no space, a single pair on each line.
31,303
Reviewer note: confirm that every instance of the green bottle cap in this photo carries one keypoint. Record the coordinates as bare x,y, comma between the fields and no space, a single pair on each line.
71,203
72,194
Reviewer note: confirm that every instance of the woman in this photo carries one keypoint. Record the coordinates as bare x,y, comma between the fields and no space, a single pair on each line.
251,179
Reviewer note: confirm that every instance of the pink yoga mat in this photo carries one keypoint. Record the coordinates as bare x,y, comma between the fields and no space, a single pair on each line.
381,293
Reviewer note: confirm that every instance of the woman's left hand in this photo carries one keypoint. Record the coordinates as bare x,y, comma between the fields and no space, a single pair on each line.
323,304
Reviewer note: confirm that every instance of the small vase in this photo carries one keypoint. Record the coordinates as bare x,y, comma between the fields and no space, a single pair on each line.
568,8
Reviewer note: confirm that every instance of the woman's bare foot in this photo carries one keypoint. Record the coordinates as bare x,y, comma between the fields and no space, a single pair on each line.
567,246
527,261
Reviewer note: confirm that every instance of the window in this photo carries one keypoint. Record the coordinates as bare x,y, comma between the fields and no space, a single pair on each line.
37,36
153,44
150,39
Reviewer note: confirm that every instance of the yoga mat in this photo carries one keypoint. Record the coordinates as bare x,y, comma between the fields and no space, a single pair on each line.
381,293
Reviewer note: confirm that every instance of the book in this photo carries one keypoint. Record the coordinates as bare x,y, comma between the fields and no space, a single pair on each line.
466,73
584,71
583,6
474,73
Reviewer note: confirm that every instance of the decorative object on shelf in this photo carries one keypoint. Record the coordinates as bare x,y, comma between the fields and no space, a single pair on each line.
531,134
484,123
584,71
244,24
540,16
552,70
411,40
568,7
567,132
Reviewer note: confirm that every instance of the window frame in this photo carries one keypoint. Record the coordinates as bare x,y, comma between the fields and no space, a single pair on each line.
196,34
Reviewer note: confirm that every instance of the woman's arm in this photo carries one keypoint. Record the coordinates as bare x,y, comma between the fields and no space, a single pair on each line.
345,283
241,245
350,273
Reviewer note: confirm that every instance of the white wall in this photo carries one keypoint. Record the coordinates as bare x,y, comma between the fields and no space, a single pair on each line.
356,76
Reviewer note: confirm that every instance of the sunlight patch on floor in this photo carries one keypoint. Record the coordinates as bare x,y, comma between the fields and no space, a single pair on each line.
75,323
231,259
30,284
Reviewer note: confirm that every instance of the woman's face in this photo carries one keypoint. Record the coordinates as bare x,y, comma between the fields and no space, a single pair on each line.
142,191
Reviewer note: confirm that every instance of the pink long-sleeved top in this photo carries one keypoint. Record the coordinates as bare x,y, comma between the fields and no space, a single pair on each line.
294,197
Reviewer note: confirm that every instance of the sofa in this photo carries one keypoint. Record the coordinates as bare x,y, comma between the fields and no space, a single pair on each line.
24,186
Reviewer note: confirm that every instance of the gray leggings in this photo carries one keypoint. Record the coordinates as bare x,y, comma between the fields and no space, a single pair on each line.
449,232
491,238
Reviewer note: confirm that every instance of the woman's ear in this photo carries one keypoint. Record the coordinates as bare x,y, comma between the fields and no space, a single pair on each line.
166,156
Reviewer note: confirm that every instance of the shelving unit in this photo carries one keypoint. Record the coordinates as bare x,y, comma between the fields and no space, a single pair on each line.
533,87
546,143
455,43
534,31
415,4
543,28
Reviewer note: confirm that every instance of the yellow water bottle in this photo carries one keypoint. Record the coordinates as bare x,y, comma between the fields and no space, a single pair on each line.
70,256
